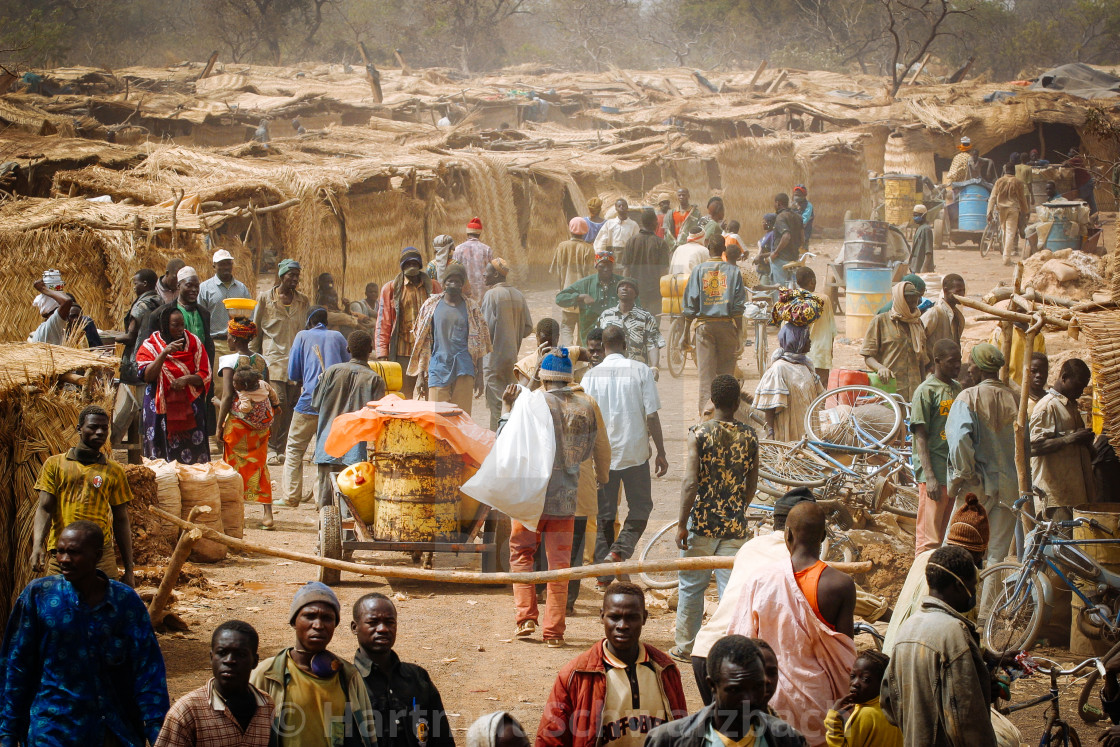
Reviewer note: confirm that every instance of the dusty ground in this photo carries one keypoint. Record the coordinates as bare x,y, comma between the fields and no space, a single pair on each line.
462,634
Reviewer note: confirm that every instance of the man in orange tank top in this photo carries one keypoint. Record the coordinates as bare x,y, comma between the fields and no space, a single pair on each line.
805,611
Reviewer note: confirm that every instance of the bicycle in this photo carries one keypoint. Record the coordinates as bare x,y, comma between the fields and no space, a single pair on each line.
679,350
1057,732
1027,596
837,547
993,236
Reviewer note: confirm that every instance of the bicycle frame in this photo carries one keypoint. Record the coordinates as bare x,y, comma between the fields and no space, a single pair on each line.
1041,555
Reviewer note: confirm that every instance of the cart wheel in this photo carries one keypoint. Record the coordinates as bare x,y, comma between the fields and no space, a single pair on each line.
330,542
939,234
497,530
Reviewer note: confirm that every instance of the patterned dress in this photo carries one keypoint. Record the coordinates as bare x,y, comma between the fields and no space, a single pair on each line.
246,444
728,454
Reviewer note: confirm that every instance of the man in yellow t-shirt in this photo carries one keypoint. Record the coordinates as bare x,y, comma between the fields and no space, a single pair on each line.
84,484
321,699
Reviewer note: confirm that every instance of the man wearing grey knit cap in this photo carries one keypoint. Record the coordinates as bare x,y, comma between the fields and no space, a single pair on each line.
320,698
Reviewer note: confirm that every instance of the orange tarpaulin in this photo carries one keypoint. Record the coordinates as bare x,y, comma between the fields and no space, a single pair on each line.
442,420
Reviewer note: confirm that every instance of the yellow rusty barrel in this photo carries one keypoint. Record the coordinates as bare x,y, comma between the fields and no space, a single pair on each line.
900,193
1107,555
390,372
417,485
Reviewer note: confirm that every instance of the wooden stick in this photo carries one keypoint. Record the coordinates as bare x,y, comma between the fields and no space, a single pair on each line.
209,65
171,575
470,577
1010,316
774,86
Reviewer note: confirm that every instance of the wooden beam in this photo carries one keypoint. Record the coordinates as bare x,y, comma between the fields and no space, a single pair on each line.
209,65
1007,315
777,82
470,577
918,72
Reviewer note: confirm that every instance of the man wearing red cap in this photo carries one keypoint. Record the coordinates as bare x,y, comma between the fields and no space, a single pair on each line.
574,259
593,294
474,255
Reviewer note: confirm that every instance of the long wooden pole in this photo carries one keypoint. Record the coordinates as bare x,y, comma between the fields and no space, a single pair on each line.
470,577
1022,463
170,576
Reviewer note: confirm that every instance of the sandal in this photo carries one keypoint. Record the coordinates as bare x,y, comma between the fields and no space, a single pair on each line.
265,527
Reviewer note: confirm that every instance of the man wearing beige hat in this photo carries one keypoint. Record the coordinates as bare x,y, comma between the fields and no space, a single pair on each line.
213,291
507,315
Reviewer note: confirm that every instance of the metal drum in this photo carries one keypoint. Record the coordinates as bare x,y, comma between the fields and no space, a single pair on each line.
672,291
390,372
1108,556
867,290
1064,234
417,482
901,192
973,213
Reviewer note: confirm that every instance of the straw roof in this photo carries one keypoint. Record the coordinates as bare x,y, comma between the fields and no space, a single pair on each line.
23,364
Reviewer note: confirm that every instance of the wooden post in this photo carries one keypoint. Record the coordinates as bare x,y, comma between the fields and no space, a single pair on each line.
918,72
209,65
470,577
757,74
1007,329
371,71
1022,462
405,69
171,575
777,83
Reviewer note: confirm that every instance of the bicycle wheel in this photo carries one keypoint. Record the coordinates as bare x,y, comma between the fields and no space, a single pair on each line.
854,416
785,464
903,501
1016,616
676,355
839,549
993,236
661,546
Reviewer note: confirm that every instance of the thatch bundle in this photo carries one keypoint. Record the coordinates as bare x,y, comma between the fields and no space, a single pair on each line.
37,420
1104,360
490,191
753,170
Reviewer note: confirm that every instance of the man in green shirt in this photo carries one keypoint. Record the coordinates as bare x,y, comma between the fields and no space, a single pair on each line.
593,294
929,412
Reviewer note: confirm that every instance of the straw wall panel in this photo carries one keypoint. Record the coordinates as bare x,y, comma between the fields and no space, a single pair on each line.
692,174
310,233
909,153
837,182
753,170
378,226
548,225
490,194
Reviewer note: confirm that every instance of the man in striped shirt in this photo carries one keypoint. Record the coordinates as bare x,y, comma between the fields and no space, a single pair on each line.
227,710
643,337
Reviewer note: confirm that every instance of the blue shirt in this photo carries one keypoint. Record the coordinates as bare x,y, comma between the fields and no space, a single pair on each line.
715,289
807,214
305,366
450,355
71,673
593,229
212,292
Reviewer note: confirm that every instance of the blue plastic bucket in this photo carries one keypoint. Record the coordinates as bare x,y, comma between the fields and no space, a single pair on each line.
973,215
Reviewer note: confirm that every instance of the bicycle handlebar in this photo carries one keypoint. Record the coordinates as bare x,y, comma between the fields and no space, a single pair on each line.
1094,662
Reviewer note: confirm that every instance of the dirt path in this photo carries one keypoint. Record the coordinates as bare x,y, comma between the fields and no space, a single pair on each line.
463,635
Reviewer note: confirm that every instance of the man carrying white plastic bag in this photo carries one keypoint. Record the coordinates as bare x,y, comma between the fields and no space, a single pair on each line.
532,475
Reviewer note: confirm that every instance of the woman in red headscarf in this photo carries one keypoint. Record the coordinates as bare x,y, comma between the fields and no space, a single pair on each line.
245,434
174,364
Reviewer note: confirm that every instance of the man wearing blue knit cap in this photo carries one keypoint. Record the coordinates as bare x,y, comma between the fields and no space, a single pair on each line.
580,433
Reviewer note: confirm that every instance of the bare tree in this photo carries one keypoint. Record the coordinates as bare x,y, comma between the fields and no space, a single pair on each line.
473,21
664,27
850,28
912,27
592,26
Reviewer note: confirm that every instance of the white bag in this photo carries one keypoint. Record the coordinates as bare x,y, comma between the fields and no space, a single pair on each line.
515,474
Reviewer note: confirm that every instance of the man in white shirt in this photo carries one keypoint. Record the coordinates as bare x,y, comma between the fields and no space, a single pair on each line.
617,230
689,254
213,291
627,395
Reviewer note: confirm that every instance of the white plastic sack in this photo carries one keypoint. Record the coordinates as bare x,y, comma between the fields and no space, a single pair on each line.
515,474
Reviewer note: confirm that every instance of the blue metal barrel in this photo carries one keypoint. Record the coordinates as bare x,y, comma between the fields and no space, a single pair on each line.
1064,234
973,215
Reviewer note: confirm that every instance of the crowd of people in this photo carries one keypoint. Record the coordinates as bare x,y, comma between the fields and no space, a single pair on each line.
776,664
